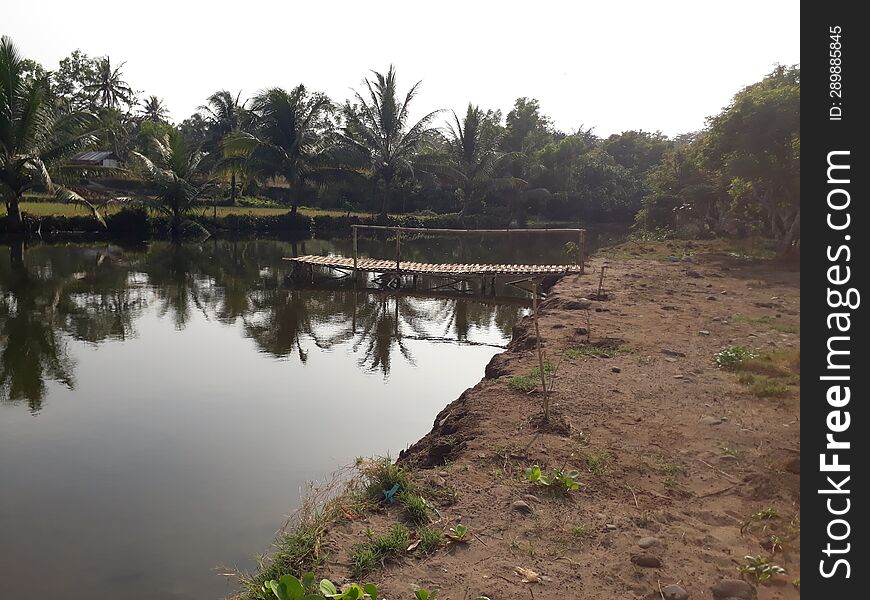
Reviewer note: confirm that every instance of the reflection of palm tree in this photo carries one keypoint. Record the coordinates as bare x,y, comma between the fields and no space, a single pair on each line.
33,350
278,322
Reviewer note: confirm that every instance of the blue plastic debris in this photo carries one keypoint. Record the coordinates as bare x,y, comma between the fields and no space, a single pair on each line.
390,493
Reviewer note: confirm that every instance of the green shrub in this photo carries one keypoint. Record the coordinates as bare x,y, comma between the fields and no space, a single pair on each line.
729,358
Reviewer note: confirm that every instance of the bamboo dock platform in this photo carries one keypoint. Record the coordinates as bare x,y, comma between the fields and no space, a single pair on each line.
371,265
391,272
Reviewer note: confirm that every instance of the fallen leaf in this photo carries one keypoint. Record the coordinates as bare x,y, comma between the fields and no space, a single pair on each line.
413,545
528,575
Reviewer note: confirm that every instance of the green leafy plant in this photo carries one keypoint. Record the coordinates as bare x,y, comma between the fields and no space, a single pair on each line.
353,592
424,594
288,587
759,568
458,533
729,358
559,479
761,516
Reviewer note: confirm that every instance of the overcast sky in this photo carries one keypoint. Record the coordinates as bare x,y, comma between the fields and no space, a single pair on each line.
615,65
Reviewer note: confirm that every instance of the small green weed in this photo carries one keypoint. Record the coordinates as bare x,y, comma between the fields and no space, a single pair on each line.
581,531
458,533
759,568
596,462
558,479
672,472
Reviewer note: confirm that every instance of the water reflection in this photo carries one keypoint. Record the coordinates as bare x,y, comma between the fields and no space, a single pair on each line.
52,294
183,386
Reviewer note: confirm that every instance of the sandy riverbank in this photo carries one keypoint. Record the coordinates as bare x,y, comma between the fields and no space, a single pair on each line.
697,464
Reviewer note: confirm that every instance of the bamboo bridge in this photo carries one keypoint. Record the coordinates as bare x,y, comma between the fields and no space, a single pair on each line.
391,271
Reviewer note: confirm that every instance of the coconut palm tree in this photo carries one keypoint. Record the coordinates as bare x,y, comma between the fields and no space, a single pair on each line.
34,138
226,115
378,128
288,138
108,88
473,154
174,169
153,109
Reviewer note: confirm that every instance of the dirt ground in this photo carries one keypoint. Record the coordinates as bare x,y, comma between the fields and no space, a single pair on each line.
697,463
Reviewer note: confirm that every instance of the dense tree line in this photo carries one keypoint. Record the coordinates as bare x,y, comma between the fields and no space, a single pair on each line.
739,175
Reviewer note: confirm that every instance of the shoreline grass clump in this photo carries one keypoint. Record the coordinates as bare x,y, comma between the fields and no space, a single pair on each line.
530,382
416,508
431,539
367,556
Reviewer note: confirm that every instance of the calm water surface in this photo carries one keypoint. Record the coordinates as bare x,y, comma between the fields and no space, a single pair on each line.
161,406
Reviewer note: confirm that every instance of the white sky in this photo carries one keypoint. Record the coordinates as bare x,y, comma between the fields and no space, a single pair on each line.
616,65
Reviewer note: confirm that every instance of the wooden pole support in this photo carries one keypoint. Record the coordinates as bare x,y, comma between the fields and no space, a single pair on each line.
354,251
582,251
398,250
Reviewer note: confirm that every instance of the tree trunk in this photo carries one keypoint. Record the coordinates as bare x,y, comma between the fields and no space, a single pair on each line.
233,189
793,234
15,224
385,202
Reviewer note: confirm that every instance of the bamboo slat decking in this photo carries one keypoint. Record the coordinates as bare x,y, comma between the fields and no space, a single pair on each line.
372,265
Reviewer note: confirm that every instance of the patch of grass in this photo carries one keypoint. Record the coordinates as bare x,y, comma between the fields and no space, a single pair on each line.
363,560
779,363
763,387
381,476
294,552
672,472
524,383
445,495
415,507
431,539
596,462
729,358
527,383
367,556
769,375
780,325
581,531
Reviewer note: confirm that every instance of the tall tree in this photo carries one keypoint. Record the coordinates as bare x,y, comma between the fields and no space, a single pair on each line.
154,110
379,129
287,137
225,115
755,145
74,72
174,169
527,129
34,138
108,88
473,154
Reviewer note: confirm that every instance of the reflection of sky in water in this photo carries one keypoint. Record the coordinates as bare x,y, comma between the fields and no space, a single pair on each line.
174,401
